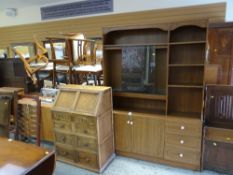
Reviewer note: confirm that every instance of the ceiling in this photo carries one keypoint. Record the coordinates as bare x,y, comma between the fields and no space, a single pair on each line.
27,3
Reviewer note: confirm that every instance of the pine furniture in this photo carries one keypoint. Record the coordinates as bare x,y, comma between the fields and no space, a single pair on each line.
82,119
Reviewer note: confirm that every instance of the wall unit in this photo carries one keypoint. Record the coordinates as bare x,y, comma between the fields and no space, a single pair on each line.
156,73
82,117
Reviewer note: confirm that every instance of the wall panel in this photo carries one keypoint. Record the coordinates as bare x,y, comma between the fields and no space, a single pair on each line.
92,26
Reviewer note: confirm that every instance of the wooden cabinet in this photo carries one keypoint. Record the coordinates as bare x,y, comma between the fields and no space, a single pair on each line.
218,149
157,76
218,137
221,50
82,118
183,140
133,133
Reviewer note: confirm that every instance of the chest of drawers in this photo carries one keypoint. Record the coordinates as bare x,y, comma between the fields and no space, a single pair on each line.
82,118
183,141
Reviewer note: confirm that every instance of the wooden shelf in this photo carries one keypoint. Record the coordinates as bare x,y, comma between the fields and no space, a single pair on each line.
186,65
184,114
187,42
159,45
140,96
185,86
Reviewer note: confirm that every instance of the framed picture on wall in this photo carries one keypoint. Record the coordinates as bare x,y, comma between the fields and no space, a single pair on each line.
27,49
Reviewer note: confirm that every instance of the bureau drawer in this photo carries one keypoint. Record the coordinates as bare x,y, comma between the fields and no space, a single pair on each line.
64,138
62,126
87,159
184,128
61,117
85,125
183,141
179,154
65,153
86,143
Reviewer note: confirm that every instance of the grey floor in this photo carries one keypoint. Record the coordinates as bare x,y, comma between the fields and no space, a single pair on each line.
127,166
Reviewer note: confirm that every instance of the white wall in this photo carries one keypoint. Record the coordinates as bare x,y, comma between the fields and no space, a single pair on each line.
29,15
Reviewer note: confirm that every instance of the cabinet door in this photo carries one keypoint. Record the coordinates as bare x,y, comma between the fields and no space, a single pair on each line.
123,133
221,46
218,156
148,136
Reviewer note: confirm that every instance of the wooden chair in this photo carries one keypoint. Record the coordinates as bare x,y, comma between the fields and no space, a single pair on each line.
61,65
28,118
39,57
84,53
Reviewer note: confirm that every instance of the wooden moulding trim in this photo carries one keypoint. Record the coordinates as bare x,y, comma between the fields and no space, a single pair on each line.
159,160
221,25
188,42
140,96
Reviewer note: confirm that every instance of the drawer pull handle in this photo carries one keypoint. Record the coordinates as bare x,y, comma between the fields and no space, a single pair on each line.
87,160
128,122
181,155
228,138
131,123
86,144
182,127
215,144
181,141
64,153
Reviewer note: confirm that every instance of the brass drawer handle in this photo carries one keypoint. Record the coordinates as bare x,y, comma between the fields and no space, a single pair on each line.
181,155
64,153
182,127
228,139
181,141
86,144
87,160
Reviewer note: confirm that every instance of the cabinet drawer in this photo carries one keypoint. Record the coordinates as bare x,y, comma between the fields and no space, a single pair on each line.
87,159
86,143
184,128
62,126
218,156
85,125
183,141
61,117
65,153
179,154
64,138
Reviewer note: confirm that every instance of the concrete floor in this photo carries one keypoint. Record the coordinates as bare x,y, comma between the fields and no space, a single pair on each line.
127,166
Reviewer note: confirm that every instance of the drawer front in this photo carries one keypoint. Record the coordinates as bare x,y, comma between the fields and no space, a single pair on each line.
62,126
64,138
85,125
218,156
87,159
65,153
86,143
61,117
179,154
184,128
183,141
